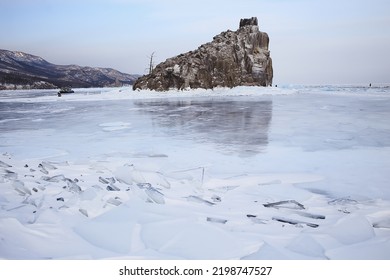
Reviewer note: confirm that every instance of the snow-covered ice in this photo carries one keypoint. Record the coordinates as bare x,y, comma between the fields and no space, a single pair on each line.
244,173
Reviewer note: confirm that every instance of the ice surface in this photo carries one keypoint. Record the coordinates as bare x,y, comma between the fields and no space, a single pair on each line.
352,229
307,245
244,173
114,126
3,164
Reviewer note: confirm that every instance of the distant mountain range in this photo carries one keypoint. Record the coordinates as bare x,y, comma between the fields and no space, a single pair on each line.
26,71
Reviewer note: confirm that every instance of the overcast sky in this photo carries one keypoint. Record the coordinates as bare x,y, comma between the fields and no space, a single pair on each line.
311,41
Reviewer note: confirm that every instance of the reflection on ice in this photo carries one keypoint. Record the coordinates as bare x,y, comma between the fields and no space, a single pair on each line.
239,126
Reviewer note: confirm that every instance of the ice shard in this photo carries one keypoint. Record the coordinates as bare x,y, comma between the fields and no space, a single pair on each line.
294,222
155,195
290,204
198,199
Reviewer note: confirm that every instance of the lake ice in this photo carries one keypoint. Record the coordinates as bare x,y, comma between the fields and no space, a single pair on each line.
243,173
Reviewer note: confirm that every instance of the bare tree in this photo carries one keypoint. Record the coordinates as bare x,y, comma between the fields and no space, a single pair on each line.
151,63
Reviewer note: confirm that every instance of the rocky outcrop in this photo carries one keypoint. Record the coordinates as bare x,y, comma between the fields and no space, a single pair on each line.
233,58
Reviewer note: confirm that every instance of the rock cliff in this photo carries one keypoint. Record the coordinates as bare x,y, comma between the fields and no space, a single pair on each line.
233,58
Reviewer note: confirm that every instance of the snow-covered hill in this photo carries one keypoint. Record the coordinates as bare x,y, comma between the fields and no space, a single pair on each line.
22,70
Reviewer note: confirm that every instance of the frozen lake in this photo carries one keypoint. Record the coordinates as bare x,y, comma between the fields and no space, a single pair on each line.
232,125
328,147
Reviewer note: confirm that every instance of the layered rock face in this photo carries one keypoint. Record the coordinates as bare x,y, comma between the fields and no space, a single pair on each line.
233,58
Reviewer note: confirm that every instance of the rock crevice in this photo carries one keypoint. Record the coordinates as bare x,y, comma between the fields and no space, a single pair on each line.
233,58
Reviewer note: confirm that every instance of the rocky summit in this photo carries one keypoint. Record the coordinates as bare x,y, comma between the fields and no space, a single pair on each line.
233,58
